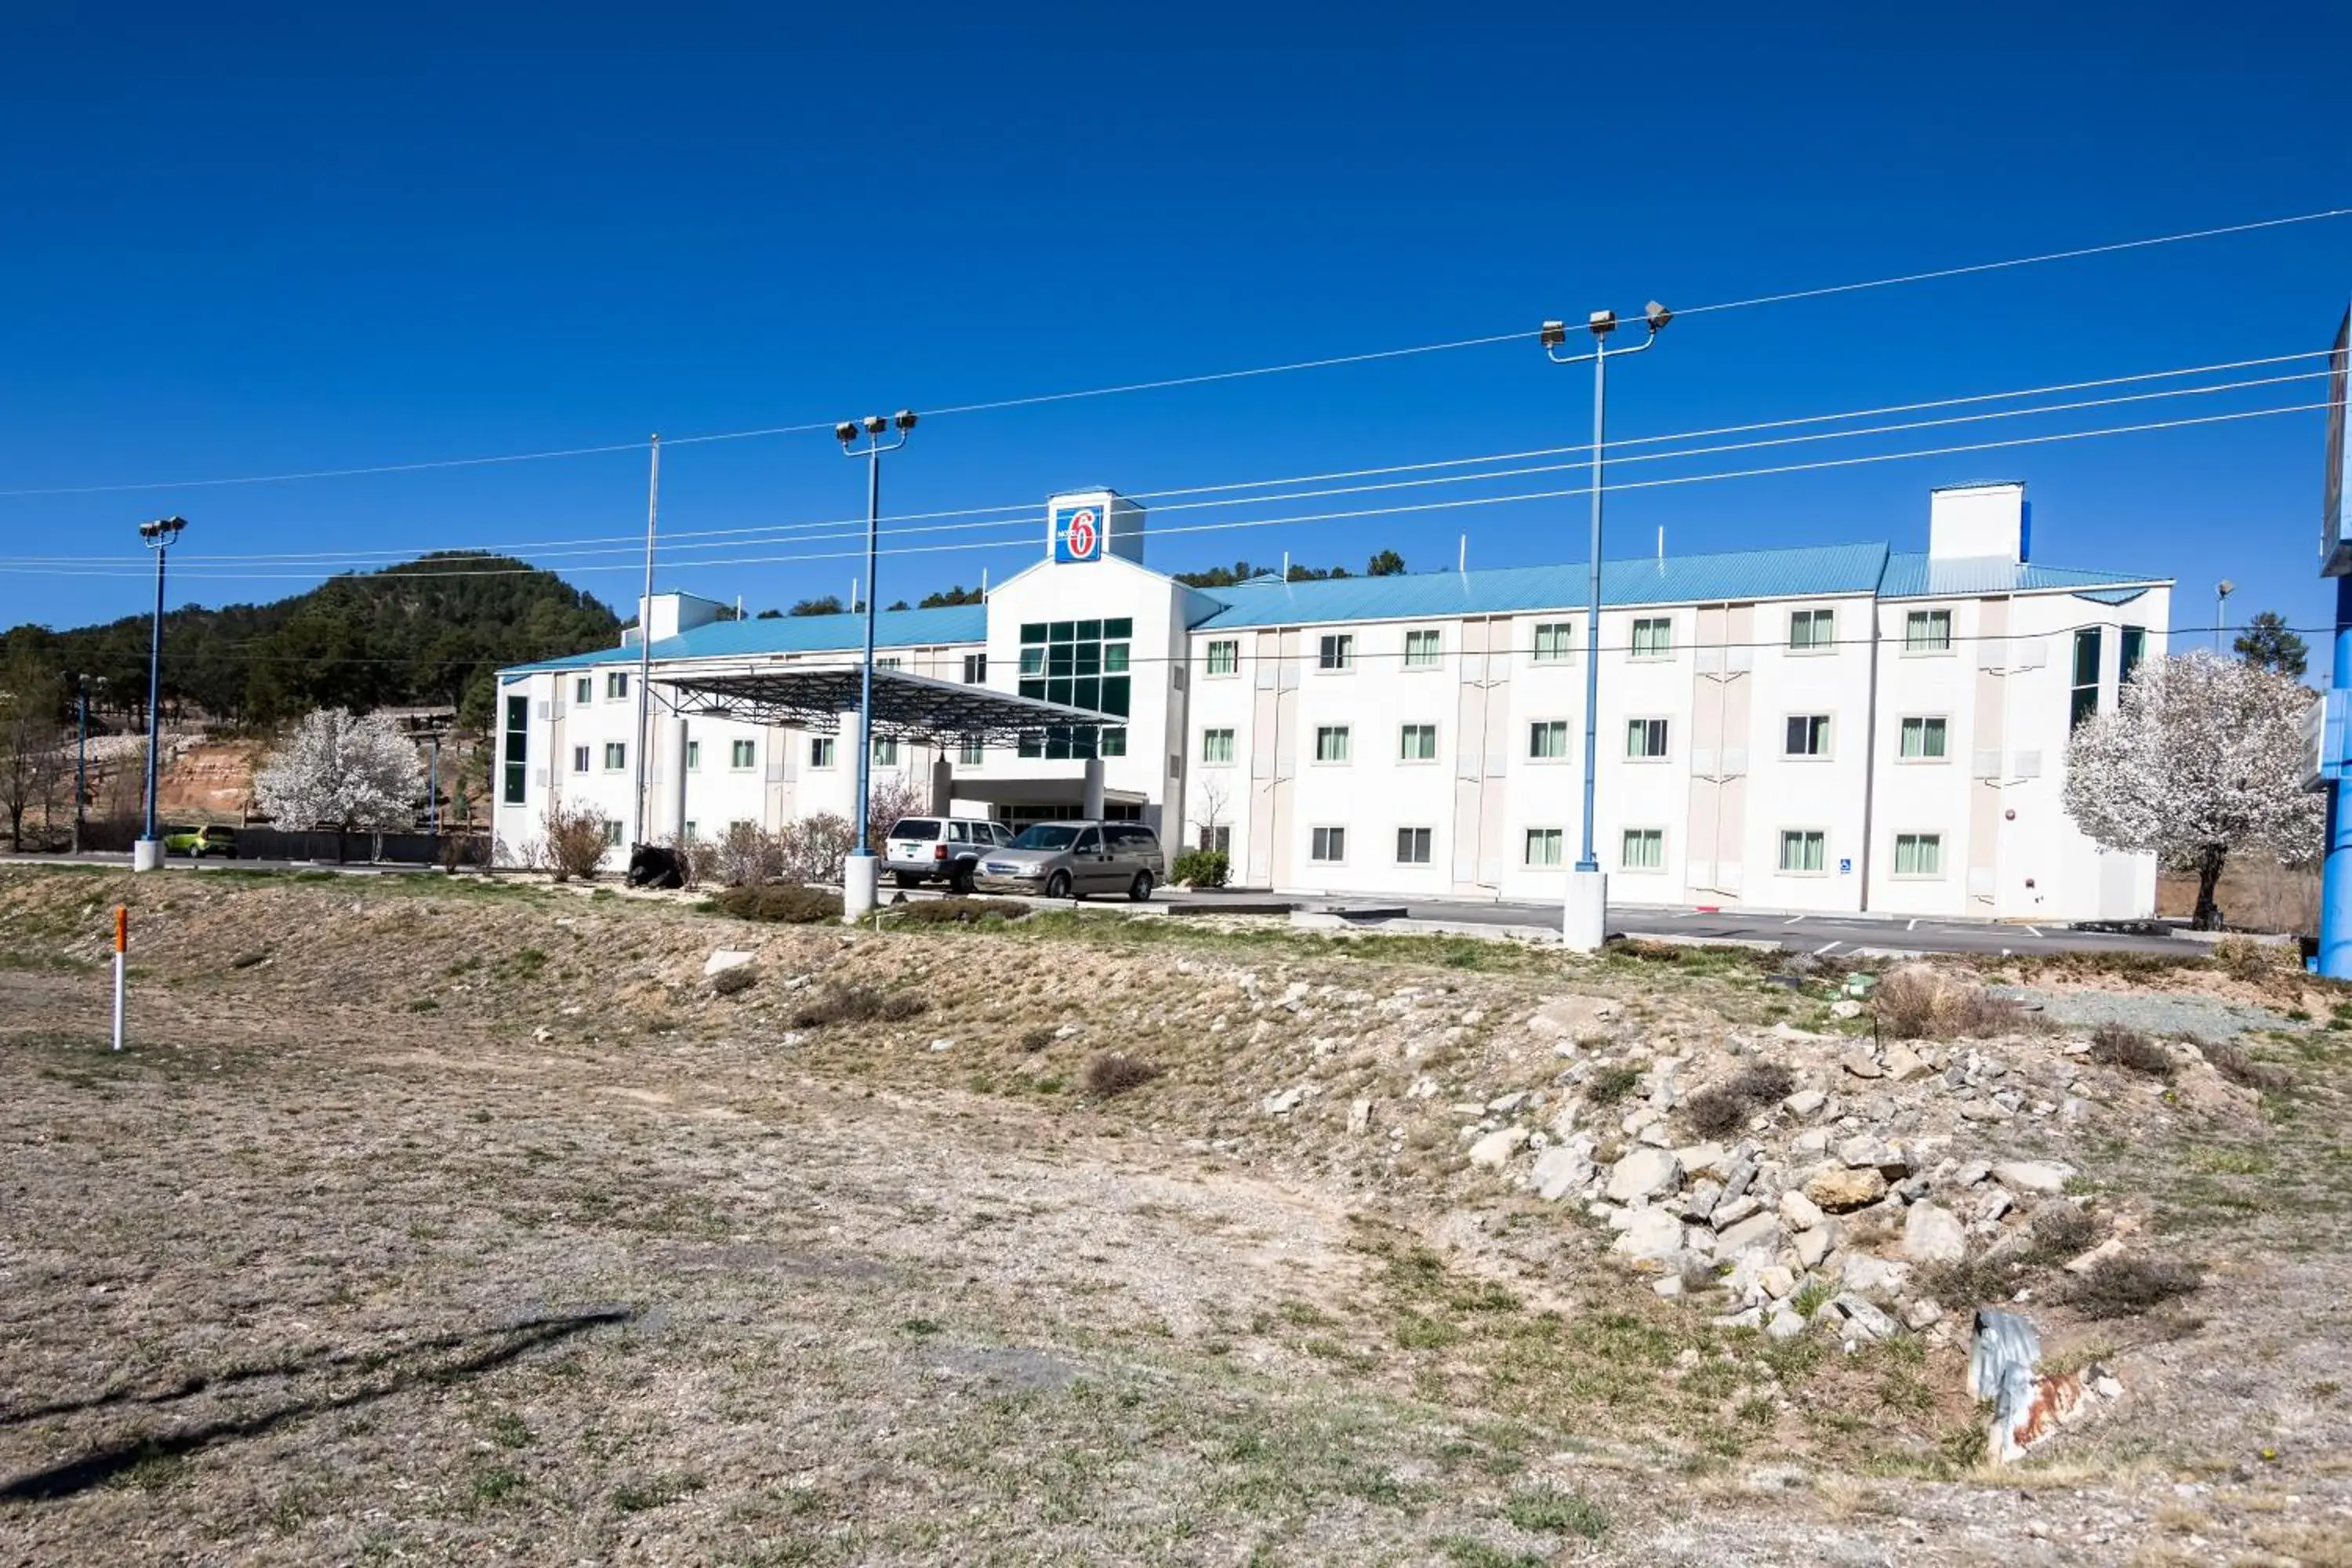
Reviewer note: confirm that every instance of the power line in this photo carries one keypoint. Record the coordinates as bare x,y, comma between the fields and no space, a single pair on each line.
1457,503
805,532
1203,379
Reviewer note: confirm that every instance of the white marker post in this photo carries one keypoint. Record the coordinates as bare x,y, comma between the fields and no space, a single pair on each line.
121,944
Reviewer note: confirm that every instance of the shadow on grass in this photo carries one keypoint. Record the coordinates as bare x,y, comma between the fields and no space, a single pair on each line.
104,1464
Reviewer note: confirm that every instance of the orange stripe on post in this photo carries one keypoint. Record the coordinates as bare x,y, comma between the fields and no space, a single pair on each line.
123,928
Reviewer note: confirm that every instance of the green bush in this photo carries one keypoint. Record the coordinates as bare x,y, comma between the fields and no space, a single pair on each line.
958,911
1203,868
783,903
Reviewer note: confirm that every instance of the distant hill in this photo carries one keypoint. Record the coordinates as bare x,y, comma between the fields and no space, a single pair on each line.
430,631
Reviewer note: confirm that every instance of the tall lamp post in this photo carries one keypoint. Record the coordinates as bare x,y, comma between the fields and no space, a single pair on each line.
148,854
860,875
2222,591
1584,919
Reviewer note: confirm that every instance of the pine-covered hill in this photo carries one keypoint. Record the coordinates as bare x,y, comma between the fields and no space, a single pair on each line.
431,631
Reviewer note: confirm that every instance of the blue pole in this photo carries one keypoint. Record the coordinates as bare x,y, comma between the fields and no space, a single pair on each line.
866,671
2336,877
155,691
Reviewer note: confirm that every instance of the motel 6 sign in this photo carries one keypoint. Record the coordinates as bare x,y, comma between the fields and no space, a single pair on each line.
1078,533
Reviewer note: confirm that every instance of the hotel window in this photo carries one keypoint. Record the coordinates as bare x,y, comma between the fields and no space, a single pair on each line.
1421,650
1812,631
1545,845
617,686
1646,738
888,663
1548,739
1923,739
820,751
1413,845
886,751
972,754
1644,849
1804,851
1217,840
1216,746
611,833
1654,637
741,754
2134,646
1082,664
1337,652
1927,631
1331,744
693,756
579,759
2084,700
1329,845
583,689
1553,644
688,831
1417,743
518,748
1225,656
975,669
617,756
1809,735
1919,854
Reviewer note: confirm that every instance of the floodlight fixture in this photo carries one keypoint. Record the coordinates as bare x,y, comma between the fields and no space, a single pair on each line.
876,424
1602,323
1657,315
845,432
1554,334
903,420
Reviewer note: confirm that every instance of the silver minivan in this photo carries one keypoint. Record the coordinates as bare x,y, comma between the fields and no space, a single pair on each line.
1071,859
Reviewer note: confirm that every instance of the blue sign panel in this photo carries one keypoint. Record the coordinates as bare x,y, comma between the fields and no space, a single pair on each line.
1078,533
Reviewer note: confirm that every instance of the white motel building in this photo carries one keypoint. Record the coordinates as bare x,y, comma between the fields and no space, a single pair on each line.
1843,728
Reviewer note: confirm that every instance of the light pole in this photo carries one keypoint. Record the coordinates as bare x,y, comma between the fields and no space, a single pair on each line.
81,754
2222,591
147,855
1584,918
860,875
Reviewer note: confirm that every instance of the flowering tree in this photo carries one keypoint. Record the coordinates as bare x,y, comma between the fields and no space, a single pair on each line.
2202,757
340,771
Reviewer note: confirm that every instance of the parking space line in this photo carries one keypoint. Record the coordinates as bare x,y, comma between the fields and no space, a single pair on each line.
1792,919
1912,926
1825,947
2035,930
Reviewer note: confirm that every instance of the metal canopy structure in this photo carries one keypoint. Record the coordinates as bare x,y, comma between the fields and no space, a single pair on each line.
913,708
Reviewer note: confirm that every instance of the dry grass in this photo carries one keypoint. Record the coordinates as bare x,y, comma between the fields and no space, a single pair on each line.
2245,958
857,1004
1923,1005
1112,1072
2118,1046
2127,1285
1724,1108
2234,1063
959,911
781,903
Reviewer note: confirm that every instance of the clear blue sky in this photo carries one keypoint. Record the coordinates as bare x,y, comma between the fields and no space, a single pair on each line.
242,243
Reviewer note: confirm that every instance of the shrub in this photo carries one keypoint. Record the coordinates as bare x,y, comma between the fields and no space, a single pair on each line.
886,803
1112,1073
574,843
959,911
1203,868
1921,1004
732,982
2233,1063
1610,1084
2060,1231
698,859
2248,960
747,856
2126,1287
857,1004
2118,1046
783,903
1038,1039
1725,1107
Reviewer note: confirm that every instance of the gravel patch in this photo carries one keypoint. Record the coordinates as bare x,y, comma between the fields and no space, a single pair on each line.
2150,1014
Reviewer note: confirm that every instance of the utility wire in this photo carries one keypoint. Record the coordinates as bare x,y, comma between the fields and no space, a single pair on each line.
804,532
1462,502
1203,379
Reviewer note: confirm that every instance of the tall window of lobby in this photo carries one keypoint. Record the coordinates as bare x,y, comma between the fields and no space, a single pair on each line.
1085,665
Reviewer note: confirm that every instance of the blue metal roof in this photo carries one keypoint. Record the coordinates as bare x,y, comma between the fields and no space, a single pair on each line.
1804,573
800,634
1917,577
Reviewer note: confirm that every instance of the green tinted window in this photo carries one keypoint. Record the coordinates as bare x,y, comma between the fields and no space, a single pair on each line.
1033,631
1121,627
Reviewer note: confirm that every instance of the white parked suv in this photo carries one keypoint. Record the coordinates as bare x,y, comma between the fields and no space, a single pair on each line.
939,849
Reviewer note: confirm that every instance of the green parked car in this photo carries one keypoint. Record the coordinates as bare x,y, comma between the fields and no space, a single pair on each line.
199,842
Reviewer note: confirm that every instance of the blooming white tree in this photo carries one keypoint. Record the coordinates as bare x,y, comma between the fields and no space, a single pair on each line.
2203,757
342,771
